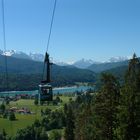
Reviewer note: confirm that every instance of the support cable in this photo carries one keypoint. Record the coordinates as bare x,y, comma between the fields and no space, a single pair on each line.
50,32
51,25
4,43
5,56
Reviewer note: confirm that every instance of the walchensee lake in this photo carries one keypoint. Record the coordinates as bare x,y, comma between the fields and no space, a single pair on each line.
63,90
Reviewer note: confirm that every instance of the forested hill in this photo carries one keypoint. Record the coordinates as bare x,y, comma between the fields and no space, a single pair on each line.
107,66
21,66
118,72
26,74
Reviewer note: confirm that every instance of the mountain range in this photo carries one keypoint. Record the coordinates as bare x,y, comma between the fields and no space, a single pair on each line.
19,54
25,74
98,68
83,63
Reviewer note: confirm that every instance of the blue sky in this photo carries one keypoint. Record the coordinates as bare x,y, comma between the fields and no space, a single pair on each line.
91,29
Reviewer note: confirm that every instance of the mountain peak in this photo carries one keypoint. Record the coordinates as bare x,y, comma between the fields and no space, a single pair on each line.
84,63
20,54
118,59
8,52
37,56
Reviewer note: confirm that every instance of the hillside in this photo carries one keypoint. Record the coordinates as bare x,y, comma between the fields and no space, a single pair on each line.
21,66
106,66
26,74
118,72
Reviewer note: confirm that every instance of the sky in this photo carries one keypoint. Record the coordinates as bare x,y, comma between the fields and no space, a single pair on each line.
90,29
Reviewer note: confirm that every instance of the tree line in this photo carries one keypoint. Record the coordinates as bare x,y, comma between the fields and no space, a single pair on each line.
113,113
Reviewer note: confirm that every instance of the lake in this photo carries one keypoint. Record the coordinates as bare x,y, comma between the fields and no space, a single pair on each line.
63,90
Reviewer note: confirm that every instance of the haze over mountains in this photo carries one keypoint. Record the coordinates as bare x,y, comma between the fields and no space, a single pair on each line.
83,63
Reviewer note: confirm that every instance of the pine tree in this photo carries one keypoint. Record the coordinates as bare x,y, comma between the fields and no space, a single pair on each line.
130,103
3,135
12,116
84,123
84,117
2,108
105,108
69,130
36,101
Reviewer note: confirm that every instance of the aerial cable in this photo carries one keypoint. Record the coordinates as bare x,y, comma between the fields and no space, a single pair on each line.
4,46
4,42
51,25
50,31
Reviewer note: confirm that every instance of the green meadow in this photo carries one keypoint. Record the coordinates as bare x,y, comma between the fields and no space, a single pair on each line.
23,120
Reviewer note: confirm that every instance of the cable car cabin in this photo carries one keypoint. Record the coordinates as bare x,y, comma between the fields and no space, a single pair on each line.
45,92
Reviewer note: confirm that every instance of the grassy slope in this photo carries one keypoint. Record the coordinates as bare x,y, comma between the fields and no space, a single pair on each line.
26,120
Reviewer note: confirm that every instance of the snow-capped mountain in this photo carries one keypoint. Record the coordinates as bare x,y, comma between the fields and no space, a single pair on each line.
60,63
8,53
22,55
16,54
1,52
36,56
84,63
118,59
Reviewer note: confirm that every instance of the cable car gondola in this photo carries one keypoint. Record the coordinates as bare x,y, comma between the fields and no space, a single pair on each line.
45,88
